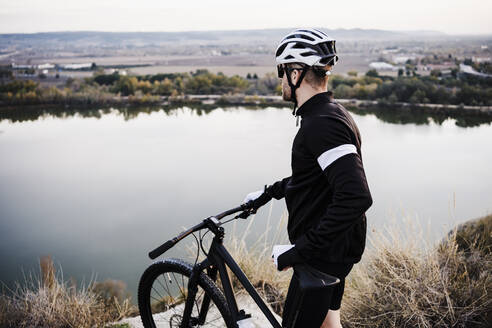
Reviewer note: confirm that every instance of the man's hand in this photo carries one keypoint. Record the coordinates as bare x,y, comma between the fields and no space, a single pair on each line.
277,251
253,195
259,198
285,256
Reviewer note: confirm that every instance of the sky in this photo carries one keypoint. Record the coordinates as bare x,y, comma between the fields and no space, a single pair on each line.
448,16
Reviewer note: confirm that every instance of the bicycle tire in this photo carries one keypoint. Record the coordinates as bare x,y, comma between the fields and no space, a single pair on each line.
169,270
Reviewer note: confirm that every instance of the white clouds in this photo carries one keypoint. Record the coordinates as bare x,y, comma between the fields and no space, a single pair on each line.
450,16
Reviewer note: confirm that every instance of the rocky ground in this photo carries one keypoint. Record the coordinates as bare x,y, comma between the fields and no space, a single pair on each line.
245,302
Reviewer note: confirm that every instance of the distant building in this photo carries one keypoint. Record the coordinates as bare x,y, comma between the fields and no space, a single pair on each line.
446,73
466,69
116,71
77,66
15,66
480,59
382,66
390,50
403,59
46,66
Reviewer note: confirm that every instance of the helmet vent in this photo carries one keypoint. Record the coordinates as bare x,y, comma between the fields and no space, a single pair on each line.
312,32
302,36
321,32
281,49
308,53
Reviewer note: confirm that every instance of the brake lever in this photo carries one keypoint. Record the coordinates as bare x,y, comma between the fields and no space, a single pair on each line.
245,214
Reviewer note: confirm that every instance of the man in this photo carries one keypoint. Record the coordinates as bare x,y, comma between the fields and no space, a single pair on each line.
327,193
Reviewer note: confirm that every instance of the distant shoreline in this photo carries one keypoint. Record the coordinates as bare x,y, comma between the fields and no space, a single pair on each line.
213,101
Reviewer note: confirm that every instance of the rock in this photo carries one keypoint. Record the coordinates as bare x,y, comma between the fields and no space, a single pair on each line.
244,301
477,232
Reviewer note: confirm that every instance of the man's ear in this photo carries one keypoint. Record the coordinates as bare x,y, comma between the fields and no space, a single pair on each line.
294,75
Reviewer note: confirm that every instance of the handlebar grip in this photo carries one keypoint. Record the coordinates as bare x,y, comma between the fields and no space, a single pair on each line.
162,249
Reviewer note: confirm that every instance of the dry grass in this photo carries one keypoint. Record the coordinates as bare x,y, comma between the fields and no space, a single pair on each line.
401,285
255,261
48,301
404,280
398,284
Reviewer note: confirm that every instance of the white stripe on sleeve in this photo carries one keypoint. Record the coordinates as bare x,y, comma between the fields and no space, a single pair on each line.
333,154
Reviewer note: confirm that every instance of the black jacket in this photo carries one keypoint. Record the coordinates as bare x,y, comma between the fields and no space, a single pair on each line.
327,194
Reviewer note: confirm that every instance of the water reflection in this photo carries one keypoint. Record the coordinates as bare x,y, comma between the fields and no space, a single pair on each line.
97,189
422,117
390,115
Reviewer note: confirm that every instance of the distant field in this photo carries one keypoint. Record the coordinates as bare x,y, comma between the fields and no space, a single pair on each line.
229,65
227,70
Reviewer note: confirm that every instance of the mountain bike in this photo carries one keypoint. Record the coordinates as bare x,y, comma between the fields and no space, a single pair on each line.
175,293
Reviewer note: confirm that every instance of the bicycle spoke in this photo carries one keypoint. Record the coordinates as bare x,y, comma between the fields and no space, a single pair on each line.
170,295
157,292
164,288
171,298
180,289
167,301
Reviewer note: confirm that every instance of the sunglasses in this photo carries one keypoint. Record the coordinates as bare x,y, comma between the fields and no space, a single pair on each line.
280,71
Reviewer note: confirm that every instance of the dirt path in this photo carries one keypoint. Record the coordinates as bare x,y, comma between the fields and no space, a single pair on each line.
244,302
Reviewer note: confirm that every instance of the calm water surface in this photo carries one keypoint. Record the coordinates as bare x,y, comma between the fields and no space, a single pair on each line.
98,193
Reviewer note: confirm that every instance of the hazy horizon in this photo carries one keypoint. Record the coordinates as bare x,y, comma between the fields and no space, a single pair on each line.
451,17
250,29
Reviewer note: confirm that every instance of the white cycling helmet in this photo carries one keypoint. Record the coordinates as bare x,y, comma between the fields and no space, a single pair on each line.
311,47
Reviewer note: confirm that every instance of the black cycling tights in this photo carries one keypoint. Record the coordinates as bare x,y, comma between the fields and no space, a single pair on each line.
314,305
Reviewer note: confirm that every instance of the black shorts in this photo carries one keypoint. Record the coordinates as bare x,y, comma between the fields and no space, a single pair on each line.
315,305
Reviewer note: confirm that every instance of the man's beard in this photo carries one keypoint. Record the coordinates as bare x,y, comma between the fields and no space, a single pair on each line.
286,92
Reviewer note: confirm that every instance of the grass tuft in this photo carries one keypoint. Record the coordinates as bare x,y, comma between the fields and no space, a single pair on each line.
50,302
401,285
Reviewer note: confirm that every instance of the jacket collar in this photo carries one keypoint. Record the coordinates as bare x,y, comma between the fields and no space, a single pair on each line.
312,103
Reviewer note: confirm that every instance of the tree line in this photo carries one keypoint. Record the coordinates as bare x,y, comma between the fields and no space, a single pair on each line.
104,88
435,89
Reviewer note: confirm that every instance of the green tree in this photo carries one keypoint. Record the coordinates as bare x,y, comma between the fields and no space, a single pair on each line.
436,73
164,87
343,91
199,84
106,79
126,85
372,73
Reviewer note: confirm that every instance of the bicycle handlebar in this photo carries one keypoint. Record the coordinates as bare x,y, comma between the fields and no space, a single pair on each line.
242,207
170,243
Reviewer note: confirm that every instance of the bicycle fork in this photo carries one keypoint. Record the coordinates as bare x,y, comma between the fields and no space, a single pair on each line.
212,273
187,320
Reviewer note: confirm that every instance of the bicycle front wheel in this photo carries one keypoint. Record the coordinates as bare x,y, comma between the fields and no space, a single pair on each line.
162,294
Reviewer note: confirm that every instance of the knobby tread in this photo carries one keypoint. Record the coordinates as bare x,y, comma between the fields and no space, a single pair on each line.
183,267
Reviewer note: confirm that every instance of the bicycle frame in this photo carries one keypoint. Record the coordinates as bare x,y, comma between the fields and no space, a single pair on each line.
217,260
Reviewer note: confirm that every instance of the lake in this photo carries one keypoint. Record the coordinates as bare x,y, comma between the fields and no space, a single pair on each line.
97,191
